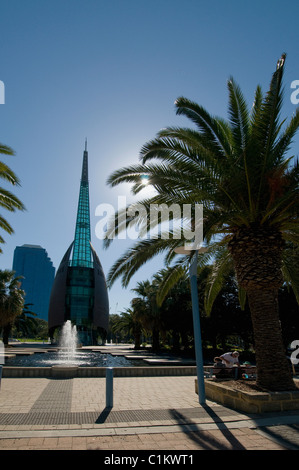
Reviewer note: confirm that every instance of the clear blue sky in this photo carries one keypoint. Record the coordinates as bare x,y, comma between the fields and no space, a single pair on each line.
110,70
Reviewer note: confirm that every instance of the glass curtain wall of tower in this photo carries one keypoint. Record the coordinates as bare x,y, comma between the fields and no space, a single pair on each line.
82,248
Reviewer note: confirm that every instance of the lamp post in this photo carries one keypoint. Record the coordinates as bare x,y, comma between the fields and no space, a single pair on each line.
196,321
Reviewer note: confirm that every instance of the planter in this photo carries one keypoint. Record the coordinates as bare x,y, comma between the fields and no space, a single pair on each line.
249,402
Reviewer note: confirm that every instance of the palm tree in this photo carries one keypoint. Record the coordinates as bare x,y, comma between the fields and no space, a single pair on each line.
239,170
7,200
11,301
25,324
128,321
148,311
176,312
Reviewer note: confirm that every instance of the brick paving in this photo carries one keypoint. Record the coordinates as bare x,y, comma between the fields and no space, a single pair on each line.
244,439
150,413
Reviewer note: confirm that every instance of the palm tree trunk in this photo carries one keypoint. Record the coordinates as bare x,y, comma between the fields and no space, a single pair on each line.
137,338
155,339
176,342
257,255
273,372
6,332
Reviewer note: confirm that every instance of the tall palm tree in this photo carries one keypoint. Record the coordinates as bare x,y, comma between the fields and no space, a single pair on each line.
147,310
11,300
176,312
8,200
239,169
129,322
25,324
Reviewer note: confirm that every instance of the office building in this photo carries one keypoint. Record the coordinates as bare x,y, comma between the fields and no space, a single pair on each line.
34,265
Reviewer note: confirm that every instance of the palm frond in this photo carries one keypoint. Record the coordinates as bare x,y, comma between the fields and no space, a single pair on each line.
211,127
174,274
242,295
256,107
7,174
5,226
221,268
135,257
268,122
9,201
239,117
6,150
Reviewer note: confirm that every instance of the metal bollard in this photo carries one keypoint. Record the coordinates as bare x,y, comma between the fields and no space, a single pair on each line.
0,375
109,387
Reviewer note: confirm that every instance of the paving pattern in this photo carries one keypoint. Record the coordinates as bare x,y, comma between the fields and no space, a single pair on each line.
153,414
71,414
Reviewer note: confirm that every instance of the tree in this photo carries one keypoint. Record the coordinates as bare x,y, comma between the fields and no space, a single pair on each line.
147,310
240,171
176,313
11,301
227,319
25,324
113,320
128,321
8,201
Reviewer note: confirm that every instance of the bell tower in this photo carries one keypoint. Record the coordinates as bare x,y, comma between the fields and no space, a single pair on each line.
79,291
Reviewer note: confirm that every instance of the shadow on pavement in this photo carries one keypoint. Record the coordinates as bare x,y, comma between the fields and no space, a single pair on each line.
103,415
287,435
206,441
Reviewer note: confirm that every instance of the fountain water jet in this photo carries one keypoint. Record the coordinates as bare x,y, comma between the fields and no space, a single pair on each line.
68,342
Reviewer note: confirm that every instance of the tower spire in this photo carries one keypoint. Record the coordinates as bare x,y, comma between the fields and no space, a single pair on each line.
82,248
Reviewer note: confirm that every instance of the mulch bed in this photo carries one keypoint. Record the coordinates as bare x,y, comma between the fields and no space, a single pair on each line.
247,385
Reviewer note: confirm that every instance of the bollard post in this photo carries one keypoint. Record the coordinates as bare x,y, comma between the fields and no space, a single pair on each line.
109,387
2,356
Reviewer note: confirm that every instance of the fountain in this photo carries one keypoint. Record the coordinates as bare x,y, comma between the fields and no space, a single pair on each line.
68,360
66,363
65,360
68,343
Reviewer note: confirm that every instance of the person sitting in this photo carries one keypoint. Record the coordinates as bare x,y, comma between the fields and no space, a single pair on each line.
219,368
224,364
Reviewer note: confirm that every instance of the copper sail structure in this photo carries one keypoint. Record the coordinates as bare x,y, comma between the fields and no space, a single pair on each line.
79,291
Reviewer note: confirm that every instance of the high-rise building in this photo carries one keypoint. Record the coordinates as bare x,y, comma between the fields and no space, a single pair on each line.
33,264
79,291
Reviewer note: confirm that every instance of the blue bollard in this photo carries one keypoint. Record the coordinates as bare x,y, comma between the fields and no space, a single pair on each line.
109,387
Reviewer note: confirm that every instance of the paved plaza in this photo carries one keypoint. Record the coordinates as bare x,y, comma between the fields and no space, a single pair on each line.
148,413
